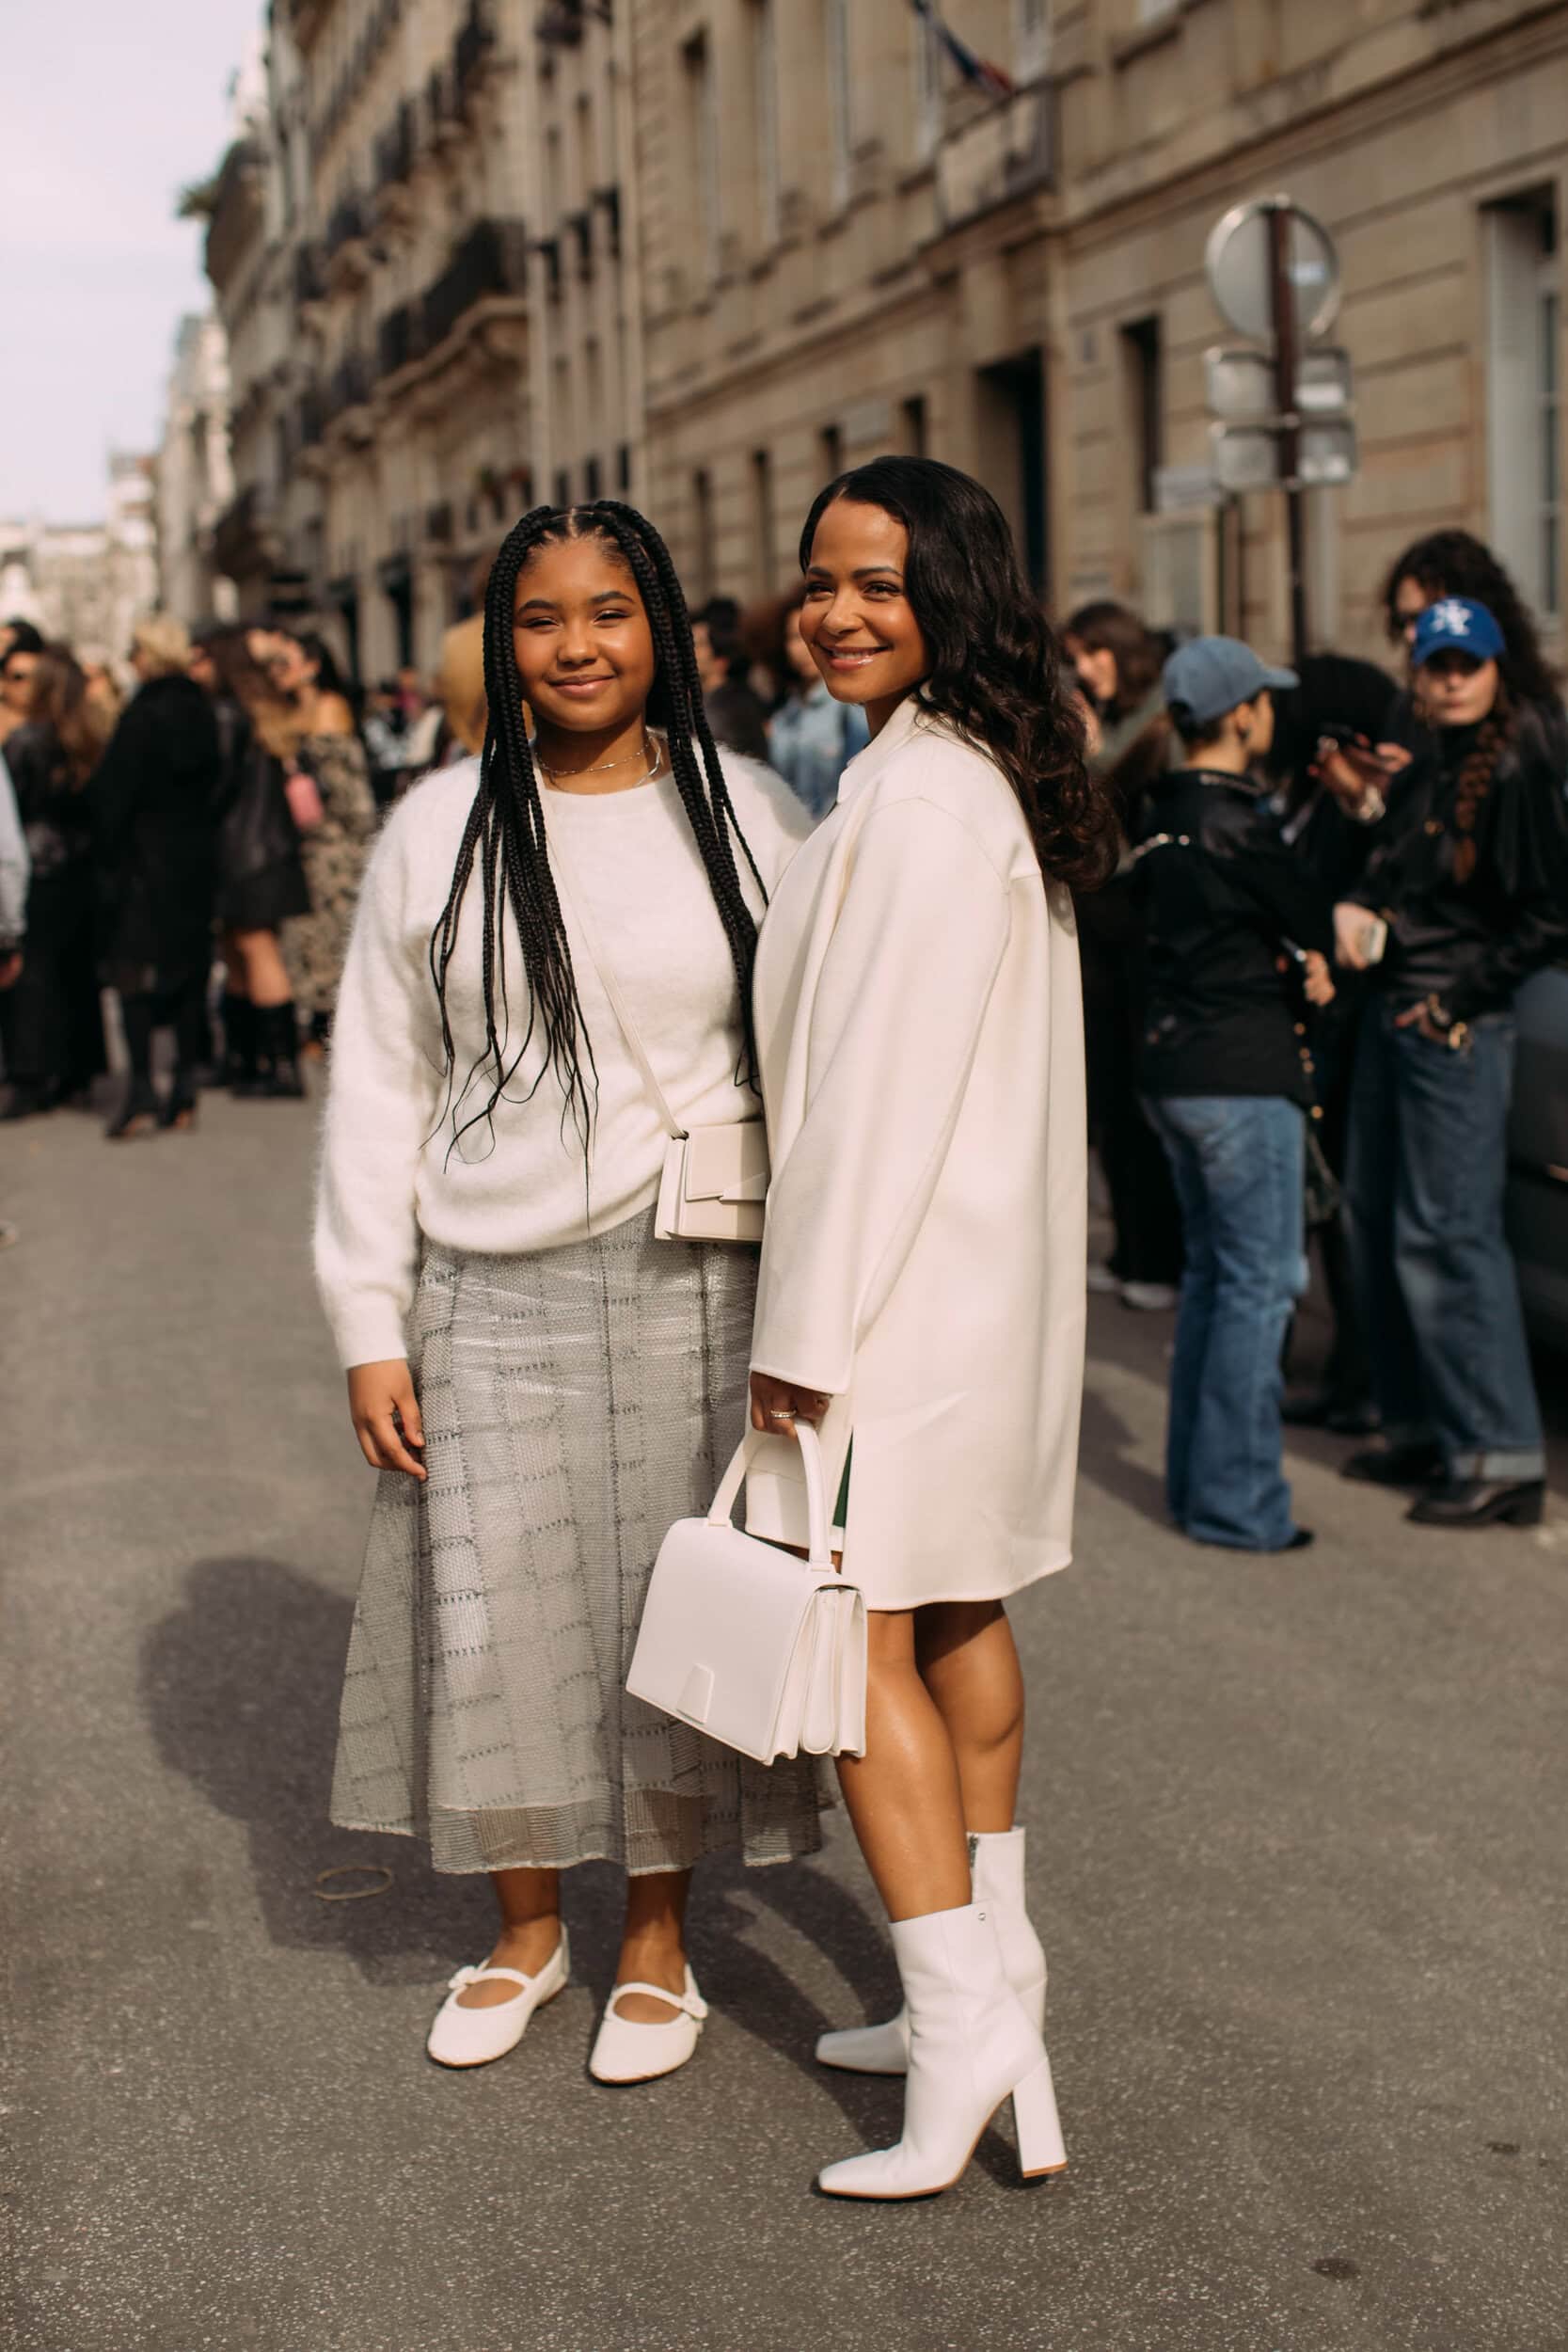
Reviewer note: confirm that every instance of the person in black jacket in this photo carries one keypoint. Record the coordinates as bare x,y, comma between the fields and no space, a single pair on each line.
50,1020
261,874
153,805
1227,1084
1467,900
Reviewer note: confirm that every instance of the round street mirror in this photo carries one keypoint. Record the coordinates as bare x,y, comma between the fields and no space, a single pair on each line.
1238,267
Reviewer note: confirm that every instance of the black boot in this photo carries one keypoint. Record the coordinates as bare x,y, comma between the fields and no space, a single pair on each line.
138,1114
1481,1502
278,1077
239,1042
1395,1466
179,1103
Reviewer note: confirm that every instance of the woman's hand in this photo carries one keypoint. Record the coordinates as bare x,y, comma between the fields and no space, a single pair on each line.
11,968
1319,983
776,1406
1351,926
386,1416
1420,1017
1353,773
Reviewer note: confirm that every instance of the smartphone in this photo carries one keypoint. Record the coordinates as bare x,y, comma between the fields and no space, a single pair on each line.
1375,939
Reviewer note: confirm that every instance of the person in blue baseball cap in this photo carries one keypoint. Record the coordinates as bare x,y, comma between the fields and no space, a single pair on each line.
1467,900
1229,1088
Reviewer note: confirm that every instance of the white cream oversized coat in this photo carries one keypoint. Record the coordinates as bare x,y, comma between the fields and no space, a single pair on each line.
920,1028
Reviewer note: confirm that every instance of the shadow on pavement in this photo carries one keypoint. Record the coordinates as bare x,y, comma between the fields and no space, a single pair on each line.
1104,1458
241,1685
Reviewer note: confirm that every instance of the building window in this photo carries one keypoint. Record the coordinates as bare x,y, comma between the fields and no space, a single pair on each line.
928,88
702,131
623,467
562,487
911,418
838,98
704,547
593,479
765,88
1031,37
1144,377
830,452
1524,394
764,576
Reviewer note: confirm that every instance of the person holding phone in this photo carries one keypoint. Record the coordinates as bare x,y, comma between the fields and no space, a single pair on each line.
1468,899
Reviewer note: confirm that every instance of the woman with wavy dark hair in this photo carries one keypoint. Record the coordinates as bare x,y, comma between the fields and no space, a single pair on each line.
50,1020
1463,900
1456,563
543,1383
920,1035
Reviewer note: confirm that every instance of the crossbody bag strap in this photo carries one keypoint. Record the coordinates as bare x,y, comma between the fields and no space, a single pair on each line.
576,899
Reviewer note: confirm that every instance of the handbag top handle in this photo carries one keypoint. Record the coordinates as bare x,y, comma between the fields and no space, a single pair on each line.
816,1488
561,861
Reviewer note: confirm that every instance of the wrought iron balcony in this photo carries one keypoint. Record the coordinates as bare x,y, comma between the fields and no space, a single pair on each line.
491,260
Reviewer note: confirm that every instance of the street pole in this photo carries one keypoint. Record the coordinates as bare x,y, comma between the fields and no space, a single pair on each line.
1282,306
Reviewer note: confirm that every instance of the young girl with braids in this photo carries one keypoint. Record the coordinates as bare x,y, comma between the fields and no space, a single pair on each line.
543,1384
1469,898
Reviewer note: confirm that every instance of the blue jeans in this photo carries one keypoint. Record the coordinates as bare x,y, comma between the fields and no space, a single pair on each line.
1238,1163
1424,1177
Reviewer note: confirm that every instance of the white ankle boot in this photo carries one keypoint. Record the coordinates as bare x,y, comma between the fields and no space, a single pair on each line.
996,1867
970,2046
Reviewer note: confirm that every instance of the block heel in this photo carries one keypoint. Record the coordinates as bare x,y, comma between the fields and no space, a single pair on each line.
1040,2146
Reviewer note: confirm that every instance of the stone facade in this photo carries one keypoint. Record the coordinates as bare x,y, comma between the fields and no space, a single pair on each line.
765,238
194,478
847,248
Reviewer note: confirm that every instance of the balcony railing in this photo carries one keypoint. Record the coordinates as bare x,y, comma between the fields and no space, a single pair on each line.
472,48
349,384
310,274
345,224
396,148
400,337
491,260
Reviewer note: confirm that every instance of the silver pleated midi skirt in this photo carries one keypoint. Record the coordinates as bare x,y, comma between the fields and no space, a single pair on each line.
575,1402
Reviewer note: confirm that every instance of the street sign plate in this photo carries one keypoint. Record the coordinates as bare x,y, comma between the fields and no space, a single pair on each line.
1239,269
1324,382
1325,452
1241,385
1247,457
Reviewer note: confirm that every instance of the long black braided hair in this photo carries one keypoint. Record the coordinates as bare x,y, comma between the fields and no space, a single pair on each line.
505,832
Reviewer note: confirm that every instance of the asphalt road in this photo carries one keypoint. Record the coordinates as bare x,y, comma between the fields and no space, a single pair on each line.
1297,1853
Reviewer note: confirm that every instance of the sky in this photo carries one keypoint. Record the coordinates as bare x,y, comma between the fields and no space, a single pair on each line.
107,109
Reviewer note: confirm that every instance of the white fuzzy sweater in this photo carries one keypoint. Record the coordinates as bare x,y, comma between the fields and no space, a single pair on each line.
391,1170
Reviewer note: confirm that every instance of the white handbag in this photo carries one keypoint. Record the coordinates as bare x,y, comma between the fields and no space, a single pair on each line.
714,1187
756,1647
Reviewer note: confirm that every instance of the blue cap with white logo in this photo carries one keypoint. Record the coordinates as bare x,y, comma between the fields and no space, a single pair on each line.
1212,675
1456,624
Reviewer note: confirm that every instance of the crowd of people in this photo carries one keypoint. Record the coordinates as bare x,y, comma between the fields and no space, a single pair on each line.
1300,986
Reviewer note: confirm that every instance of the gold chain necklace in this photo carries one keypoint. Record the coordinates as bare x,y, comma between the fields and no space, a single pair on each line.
649,755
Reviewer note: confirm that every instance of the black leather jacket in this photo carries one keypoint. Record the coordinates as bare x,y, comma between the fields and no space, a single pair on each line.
1475,896
1223,894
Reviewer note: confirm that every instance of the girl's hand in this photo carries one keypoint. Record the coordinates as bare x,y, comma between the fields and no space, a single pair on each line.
1319,983
776,1406
386,1416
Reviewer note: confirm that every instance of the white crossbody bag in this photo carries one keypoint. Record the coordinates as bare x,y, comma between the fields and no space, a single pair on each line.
714,1187
739,1638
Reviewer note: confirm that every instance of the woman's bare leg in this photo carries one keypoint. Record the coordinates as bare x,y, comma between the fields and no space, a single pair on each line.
653,1944
267,980
968,1661
529,1930
904,1794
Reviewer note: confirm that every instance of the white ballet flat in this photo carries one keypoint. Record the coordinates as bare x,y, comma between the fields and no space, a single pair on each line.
627,2053
472,2037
